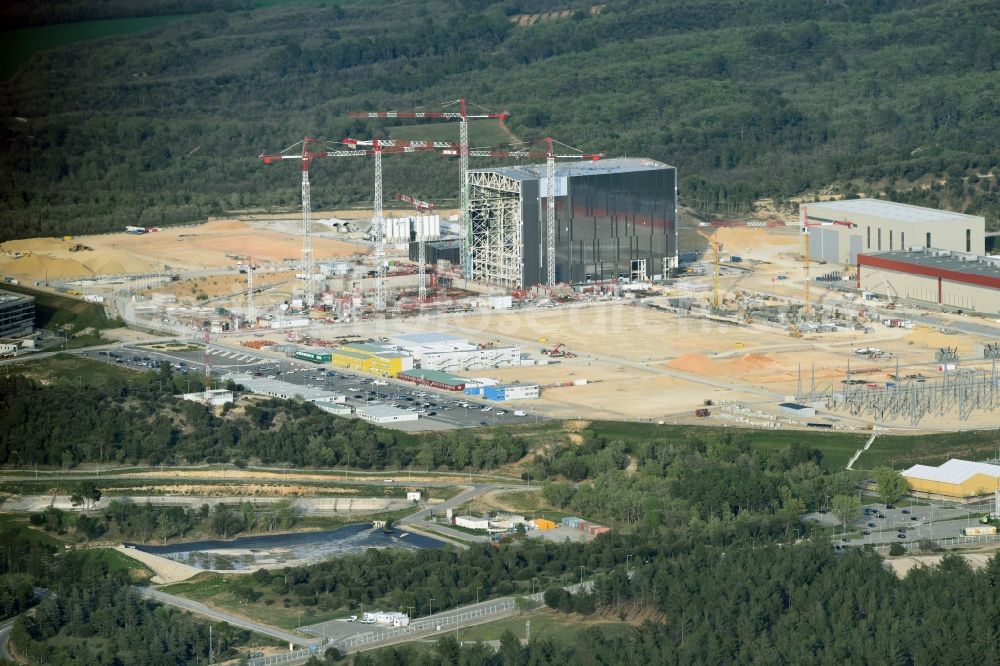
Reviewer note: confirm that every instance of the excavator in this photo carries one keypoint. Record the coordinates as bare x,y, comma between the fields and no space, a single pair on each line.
559,351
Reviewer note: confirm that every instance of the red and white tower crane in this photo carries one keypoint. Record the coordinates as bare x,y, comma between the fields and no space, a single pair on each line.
305,157
550,189
463,116
378,229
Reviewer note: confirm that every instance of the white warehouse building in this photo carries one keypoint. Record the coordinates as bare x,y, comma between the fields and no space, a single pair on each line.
840,230
448,353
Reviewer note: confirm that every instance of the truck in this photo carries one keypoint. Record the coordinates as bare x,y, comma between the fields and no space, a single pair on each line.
701,411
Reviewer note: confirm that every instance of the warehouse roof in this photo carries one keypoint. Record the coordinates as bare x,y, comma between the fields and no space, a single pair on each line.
435,376
582,167
279,388
383,411
953,471
941,260
886,209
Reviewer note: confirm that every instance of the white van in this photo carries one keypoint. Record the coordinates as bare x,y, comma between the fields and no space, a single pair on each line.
520,413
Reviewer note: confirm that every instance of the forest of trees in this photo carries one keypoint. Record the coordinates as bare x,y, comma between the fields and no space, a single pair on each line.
140,420
767,605
90,607
746,99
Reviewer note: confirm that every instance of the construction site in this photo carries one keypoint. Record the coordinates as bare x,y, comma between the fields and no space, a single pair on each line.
579,274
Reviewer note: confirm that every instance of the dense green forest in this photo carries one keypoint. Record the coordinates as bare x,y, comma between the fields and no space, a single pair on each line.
140,420
767,605
748,99
91,615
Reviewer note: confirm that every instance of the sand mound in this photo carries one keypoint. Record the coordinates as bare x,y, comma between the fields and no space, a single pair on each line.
699,364
115,263
44,266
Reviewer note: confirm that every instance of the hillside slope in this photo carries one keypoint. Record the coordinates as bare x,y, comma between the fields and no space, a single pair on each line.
747,99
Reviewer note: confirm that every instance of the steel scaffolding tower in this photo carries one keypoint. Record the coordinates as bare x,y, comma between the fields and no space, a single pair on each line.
495,213
463,116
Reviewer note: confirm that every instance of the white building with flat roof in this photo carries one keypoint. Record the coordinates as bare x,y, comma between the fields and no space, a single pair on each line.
449,353
213,397
384,414
840,230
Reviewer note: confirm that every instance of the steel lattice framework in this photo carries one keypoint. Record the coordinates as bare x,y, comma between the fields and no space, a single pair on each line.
496,243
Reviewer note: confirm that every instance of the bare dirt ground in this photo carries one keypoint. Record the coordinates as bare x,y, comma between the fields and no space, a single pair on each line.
902,565
167,571
189,247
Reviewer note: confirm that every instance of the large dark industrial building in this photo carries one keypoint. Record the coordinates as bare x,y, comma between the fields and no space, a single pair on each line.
615,219
17,315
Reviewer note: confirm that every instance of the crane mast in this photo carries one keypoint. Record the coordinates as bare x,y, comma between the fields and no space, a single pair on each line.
378,230
307,253
463,117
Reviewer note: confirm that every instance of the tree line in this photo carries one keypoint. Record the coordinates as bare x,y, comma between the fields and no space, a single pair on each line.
165,127
140,420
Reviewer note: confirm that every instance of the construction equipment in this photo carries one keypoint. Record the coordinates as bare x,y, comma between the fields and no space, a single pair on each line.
306,156
421,206
449,148
558,351
463,142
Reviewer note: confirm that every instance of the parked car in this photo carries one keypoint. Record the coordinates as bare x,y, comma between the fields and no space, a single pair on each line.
353,618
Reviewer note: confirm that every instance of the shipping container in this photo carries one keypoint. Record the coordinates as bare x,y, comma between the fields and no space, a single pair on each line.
979,530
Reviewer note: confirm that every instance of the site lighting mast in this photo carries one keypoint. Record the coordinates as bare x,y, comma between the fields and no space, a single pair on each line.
463,116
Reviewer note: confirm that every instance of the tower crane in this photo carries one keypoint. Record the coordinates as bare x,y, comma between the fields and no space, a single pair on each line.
306,156
550,190
451,148
806,225
463,116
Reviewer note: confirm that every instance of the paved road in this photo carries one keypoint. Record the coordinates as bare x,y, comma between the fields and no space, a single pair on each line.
416,521
236,621
5,630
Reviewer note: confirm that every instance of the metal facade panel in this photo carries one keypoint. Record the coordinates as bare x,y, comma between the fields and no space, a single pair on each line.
855,248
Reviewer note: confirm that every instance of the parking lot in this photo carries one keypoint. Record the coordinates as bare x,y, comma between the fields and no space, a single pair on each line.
436,409
882,526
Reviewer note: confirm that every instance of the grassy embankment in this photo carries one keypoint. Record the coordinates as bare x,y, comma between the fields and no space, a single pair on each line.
70,316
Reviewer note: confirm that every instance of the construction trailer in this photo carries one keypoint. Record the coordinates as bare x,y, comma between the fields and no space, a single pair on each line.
370,358
511,392
615,219
841,230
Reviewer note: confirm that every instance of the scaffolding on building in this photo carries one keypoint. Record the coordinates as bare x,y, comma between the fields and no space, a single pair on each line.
495,216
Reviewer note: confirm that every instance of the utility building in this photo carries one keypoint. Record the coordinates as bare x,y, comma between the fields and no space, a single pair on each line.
615,218
953,279
955,478
840,230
